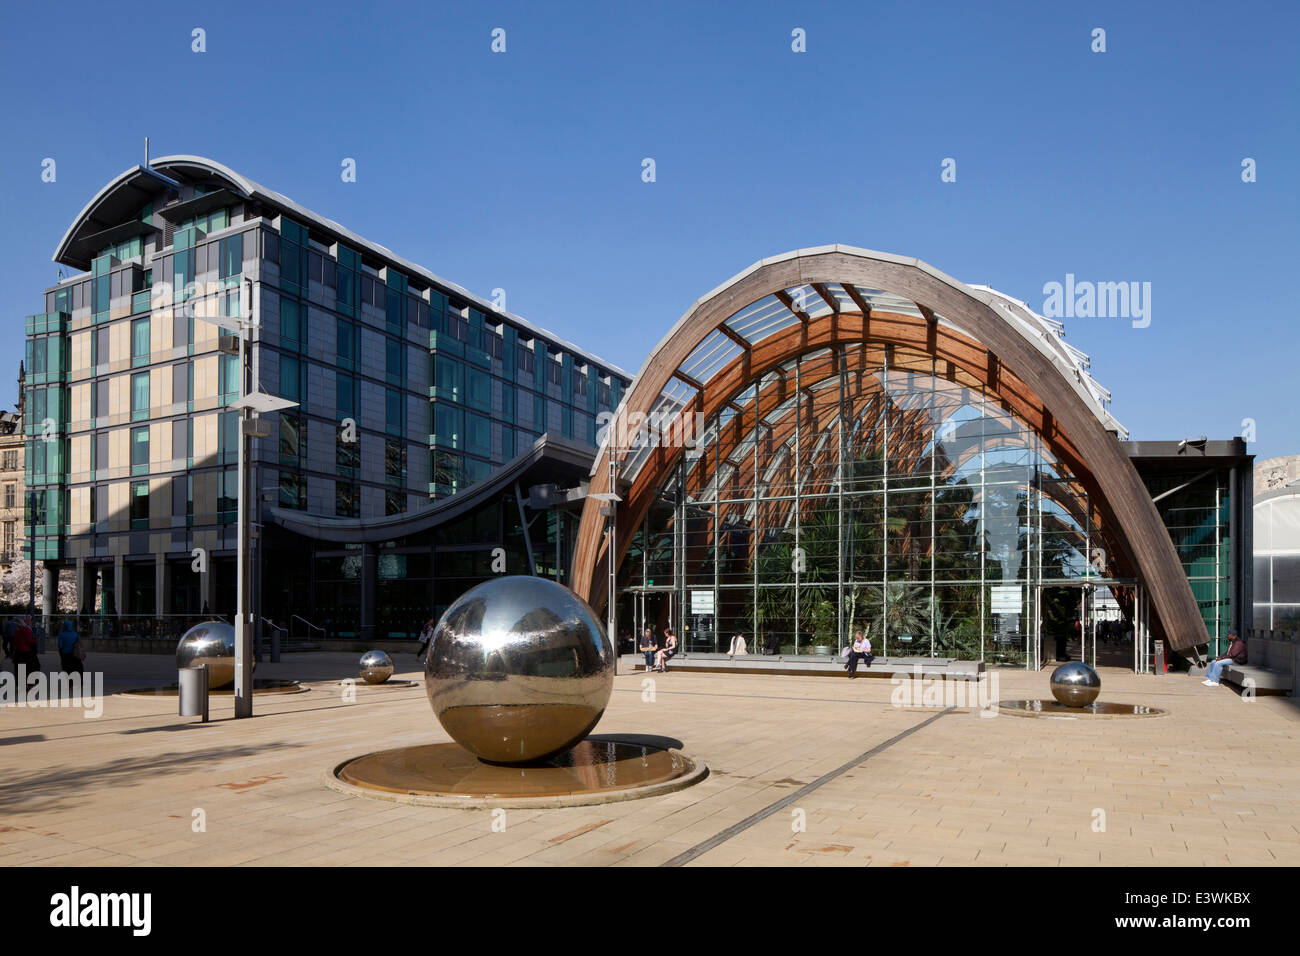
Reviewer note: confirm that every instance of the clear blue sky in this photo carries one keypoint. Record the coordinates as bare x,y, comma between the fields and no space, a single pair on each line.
522,170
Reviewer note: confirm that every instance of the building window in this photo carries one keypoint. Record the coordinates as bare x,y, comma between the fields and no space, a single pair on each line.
346,395
290,378
347,499
526,359
9,540
478,432
229,378
393,360
395,461
293,491
11,461
347,456
448,426
394,502
228,498
292,434
448,473
232,256
140,342
478,389
393,411
346,334
10,496
228,434
447,378
139,505
139,396
291,322
140,451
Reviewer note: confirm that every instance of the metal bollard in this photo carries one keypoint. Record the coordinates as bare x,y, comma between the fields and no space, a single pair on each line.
193,684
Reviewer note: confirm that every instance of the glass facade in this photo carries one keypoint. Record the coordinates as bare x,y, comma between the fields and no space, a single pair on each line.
865,487
1277,562
129,381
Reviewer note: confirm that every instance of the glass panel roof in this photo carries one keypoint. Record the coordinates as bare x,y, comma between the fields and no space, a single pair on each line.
713,354
765,317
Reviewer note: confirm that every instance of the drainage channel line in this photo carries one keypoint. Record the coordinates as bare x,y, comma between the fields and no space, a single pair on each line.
719,838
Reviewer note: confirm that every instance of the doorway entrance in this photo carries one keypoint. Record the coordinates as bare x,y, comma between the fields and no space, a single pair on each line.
652,608
1100,621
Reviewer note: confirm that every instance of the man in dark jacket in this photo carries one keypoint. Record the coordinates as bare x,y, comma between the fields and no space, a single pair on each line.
1236,655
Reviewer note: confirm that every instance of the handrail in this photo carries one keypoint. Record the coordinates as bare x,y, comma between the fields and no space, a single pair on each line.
313,627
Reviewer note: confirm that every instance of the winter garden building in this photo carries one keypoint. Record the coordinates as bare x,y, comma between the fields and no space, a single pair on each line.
886,448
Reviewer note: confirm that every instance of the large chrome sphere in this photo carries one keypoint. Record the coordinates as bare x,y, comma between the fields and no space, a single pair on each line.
376,667
211,644
1075,684
519,669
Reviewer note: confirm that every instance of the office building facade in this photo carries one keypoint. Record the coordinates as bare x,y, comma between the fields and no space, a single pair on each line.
409,389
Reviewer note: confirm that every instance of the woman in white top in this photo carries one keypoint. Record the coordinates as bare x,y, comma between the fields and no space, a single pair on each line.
737,645
861,652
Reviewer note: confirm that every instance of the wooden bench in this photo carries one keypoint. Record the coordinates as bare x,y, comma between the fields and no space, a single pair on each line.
1270,666
810,665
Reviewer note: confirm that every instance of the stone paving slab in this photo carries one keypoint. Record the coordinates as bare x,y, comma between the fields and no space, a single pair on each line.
132,786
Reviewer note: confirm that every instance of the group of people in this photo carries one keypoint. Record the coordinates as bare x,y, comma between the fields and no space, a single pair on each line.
21,644
658,651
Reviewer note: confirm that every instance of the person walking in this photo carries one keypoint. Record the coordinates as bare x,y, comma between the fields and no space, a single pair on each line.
25,655
71,653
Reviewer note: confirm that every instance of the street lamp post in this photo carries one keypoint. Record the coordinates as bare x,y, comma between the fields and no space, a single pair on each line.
609,509
31,555
252,403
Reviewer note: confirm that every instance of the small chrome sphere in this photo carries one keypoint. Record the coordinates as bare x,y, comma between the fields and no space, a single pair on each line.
1075,684
519,669
212,645
376,667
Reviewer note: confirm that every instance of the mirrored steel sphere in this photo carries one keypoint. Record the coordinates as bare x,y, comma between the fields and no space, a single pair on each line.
211,644
519,669
376,667
1075,684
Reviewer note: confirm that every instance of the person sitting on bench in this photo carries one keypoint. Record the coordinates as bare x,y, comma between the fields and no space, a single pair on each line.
667,651
1236,655
737,645
649,647
861,652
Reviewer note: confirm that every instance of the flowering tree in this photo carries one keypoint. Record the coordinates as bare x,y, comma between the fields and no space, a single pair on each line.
16,581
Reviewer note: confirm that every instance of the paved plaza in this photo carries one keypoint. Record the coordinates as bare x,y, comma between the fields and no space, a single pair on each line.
1216,781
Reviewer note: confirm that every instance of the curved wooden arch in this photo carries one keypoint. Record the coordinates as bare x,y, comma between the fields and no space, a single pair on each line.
865,401
990,348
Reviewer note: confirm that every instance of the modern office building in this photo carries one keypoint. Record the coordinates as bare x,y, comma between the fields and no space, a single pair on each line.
409,390
886,448
1277,544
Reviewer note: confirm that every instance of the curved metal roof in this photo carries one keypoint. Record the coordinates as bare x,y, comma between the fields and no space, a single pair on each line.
122,196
